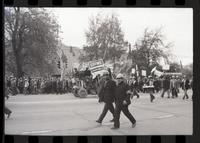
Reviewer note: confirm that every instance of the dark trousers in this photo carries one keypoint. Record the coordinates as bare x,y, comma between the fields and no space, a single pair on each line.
185,94
135,93
165,90
174,93
124,109
107,106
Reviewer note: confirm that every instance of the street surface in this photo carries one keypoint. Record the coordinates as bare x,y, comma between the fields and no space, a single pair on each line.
68,115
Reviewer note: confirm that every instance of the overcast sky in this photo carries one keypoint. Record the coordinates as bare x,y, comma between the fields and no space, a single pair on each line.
177,26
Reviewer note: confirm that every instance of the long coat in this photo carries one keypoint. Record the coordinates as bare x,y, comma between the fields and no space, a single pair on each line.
121,95
106,93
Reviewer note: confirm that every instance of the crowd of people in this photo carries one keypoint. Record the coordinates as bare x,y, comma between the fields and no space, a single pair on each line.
54,85
31,85
170,84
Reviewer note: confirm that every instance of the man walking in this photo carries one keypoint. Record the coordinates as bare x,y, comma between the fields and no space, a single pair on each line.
166,87
122,101
185,87
106,95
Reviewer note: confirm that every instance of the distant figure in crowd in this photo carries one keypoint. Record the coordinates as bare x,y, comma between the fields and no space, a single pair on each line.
166,87
133,86
173,87
122,101
106,95
185,87
87,72
151,90
110,73
76,73
191,86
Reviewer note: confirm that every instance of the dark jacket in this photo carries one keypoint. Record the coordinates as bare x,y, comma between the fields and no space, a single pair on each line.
166,84
106,93
121,95
186,84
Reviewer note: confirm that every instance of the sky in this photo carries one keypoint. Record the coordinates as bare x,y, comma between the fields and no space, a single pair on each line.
176,23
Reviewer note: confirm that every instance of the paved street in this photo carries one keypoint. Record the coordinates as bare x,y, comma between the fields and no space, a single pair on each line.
67,115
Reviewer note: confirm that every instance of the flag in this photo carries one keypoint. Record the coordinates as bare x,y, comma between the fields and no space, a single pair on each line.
181,65
158,73
136,67
153,69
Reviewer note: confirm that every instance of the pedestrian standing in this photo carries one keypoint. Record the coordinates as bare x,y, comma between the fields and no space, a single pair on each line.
106,95
150,83
166,87
122,101
173,87
20,85
26,86
185,87
35,86
157,84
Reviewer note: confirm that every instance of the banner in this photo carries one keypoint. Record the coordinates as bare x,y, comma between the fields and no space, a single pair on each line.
97,67
153,69
97,63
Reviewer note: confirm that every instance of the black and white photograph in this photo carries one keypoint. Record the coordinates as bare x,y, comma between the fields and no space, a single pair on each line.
98,71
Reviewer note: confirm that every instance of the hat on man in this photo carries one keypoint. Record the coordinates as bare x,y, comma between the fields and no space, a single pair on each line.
119,76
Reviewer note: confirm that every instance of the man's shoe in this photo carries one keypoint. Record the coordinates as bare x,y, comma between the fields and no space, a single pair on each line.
114,128
9,114
133,125
152,98
98,121
112,120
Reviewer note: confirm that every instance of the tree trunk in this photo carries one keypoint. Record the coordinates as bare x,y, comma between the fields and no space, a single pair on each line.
18,64
16,47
